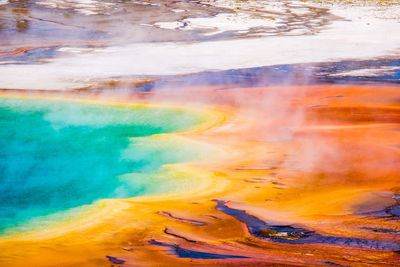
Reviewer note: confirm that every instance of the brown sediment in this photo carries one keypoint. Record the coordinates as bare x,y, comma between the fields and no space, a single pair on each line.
117,83
247,168
13,52
258,180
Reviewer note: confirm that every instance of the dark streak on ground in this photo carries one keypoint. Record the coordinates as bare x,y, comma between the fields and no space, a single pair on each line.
186,253
381,230
115,260
169,232
170,215
290,234
284,75
332,263
391,212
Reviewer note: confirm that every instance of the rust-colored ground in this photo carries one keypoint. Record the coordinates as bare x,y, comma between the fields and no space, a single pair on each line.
324,158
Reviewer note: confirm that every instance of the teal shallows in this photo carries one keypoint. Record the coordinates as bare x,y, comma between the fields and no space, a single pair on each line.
57,155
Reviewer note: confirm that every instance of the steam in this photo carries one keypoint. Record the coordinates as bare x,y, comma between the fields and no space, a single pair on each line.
215,36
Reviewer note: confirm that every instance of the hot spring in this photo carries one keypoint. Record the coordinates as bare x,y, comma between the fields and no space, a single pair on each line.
57,155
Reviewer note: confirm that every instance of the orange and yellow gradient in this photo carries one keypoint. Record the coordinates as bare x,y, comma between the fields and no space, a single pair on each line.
325,158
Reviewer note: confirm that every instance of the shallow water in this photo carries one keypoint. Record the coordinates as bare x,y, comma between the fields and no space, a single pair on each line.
58,155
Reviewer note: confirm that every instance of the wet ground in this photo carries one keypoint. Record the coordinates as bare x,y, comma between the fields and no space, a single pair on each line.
95,43
305,131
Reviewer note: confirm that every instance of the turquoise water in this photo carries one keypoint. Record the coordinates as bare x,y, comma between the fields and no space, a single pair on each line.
57,155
